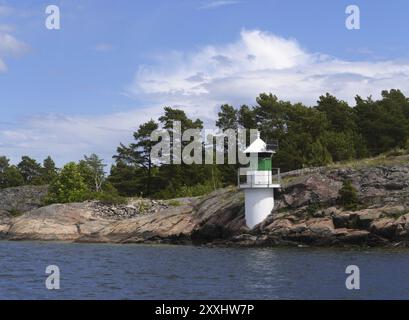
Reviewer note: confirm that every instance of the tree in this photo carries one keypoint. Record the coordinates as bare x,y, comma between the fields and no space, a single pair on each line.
228,118
348,196
94,171
69,186
176,176
31,170
10,176
49,172
383,123
4,165
271,116
138,154
126,178
340,116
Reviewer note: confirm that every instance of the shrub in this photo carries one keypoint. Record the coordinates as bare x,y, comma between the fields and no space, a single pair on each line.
108,198
194,191
109,195
348,196
186,191
68,186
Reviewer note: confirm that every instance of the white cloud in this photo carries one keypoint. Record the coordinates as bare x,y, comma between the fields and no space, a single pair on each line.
9,46
217,3
199,82
68,138
261,62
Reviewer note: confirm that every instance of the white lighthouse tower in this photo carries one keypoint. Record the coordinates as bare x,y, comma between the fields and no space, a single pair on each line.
261,179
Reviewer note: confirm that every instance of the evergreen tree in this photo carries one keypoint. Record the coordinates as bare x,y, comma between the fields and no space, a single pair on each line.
31,170
10,176
49,172
228,118
138,154
348,196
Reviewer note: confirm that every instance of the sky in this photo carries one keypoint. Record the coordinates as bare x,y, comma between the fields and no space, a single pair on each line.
115,64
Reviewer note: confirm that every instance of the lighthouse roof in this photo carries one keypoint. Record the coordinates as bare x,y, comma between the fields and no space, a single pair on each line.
258,146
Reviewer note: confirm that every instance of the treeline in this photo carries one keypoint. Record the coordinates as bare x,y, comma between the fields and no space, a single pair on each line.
330,131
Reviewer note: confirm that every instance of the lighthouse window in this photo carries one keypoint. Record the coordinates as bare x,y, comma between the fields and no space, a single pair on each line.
264,164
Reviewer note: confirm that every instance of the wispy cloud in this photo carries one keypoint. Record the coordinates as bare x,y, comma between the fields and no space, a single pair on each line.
9,45
6,28
5,10
68,138
217,3
103,47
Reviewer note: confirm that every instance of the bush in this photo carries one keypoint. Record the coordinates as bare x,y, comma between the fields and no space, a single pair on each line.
194,191
108,198
348,196
109,195
68,186
186,191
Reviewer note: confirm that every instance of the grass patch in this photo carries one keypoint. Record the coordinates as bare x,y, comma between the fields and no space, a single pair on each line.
390,158
16,213
174,203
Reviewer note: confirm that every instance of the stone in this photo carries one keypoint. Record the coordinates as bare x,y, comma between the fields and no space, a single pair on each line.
385,227
22,199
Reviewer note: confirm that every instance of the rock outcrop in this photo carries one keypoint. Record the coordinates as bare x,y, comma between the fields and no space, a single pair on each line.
219,215
306,213
22,199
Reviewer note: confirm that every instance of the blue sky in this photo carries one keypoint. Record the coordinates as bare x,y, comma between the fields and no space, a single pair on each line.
114,64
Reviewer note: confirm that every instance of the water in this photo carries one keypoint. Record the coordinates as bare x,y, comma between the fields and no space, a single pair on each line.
90,271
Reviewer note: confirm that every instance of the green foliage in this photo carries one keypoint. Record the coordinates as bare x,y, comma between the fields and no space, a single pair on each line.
384,124
174,203
126,179
15,212
92,170
137,158
108,198
195,190
69,186
31,170
10,176
348,196
49,171
313,208
109,195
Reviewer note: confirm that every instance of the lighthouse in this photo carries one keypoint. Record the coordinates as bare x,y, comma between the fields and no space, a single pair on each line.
260,180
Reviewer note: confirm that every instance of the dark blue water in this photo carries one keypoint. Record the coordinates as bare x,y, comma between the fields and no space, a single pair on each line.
91,271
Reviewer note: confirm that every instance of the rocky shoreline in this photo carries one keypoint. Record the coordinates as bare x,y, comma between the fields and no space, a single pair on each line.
306,214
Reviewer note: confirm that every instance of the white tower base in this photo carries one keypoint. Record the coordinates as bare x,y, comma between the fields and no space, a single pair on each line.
258,205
